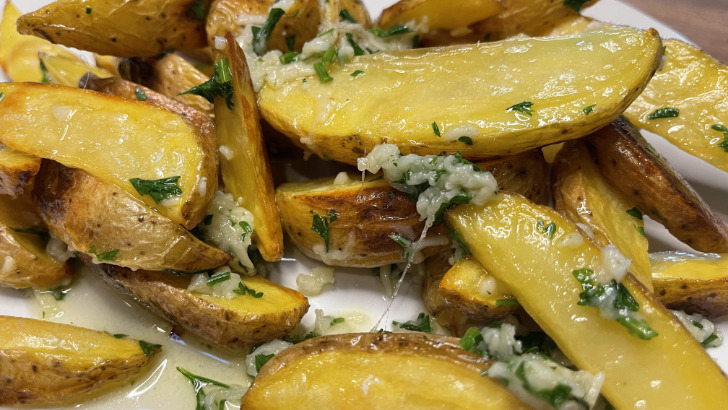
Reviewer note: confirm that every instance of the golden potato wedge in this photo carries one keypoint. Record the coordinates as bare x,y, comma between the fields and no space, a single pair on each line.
301,21
23,257
108,63
44,363
172,75
101,219
695,283
440,14
142,28
223,16
696,85
116,140
583,195
504,236
356,9
238,323
469,288
245,170
69,71
17,170
410,92
367,213
648,180
397,370
525,173
19,53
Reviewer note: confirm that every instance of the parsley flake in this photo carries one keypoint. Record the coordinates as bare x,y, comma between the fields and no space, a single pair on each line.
46,79
217,86
589,109
357,73
199,8
139,94
357,49
148,348
262,34
522,107
261,360
59,293
88,10
575,5
466,140
288,57
109,255
405,243
421,324
246,229
395,30
2,96
198,383
722,128
242,290
664,113
337,320
346,16
321,226
435,128
471,339
507,302
635,213
218,278
158,189
548,230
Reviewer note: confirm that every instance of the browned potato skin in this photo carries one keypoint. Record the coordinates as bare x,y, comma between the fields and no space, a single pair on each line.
650,182
526,173
355,7
17,170
33,266
172,75
707,297
38,378
167,295
86,213
142,28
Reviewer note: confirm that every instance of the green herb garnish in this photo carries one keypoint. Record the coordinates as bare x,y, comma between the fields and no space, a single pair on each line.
722,128
466,140
288,57
46,79
60,292
470,341
589,109
262,34
290,42
140,95
148,348
321,226
198,383
507,302
435,128
88,10
635,213
522,107
357,50
641,230
109,255
323,75
664,113
2,96
575,5
246,229
708,340
357,73
395,30
405,243
346,16
42,232
158,189
337,320
217,86
242,290
198,8
218,278
261,360
421,324
454,235
548,230
329,55
119,335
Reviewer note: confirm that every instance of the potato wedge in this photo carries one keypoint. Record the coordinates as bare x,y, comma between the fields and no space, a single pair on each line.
696,84
172,75
69,71
44,363
335,118
440,14
101,219
19,53
582,194
695,283
23,257
540,276
397,371
238,323
245,170
355,8
468,287
223,16
138,141
648,180
17,170
525,173
367,212
142,28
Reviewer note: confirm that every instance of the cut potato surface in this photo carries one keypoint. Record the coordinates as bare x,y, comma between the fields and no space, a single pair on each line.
377,371
669,368
68,71
43,363
114,139
496,95
440,14
17,170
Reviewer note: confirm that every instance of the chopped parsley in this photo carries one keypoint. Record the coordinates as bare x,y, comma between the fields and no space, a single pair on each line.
2,96
261,360
346,16
612,296
664,113
522,107
589,109
246,229
218,278
88,10
148,348
708,340
548,230
242,290
641,230
421,324
462,248
466,140
435,128
46,78
635,213
139,94
337,320
717,127
60,292
217,86
507,302
198,8
262,34
395,30
575,5
357,73
329,55
405,243
158,189
119,335
357,50
109,255
198,383
471,339
43,233
323,75
288,57
321,226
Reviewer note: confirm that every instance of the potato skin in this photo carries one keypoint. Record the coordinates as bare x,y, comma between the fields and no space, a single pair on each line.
17,170
167,295
223,16
649,181
36,376
86,213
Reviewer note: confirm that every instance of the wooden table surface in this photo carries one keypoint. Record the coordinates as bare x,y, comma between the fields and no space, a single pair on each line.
705,22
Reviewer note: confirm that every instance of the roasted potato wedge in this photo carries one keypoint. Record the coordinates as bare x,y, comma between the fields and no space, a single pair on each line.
334,119
398,371
695,283
355,8
238,323
635,169
102,220
470,289
69,71
696,85
172,75
582,194
440,14
142,28
19,53
245,169
25,262
44,363
540,276
223,16
17,170
525,173
139,142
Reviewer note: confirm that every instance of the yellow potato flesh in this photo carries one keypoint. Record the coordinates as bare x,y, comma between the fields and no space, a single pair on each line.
402,93
466,286
275,299
441,14
697,85
69,70
16,170
667,265
246,173
657,373
111,138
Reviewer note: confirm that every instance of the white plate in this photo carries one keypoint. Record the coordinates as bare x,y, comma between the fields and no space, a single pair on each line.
356,295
